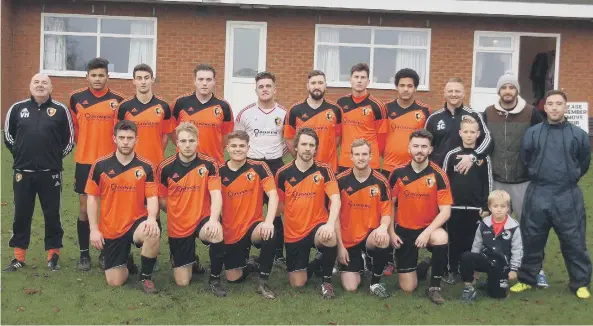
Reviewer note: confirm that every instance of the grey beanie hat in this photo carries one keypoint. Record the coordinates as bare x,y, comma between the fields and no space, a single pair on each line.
508,78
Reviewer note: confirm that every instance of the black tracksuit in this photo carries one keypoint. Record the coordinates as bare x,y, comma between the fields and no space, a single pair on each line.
470,194
556,157
39,137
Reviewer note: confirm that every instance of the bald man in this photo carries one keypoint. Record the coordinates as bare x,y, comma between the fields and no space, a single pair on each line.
39,133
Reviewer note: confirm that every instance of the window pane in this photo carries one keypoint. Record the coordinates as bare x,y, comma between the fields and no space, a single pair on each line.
245,52
495,42
391,37
63,52
344,35
489,68
388,61
121,26
336,61
125,53
70,24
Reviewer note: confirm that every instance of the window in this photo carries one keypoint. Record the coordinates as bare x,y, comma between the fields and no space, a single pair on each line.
70,41
494,56
385,50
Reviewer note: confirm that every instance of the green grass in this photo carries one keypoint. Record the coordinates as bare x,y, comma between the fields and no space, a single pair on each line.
71,297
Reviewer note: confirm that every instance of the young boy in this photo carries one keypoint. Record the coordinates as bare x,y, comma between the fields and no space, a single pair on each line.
497,250
470,195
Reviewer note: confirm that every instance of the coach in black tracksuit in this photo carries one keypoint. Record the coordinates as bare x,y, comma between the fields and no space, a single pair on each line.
38,132
470,196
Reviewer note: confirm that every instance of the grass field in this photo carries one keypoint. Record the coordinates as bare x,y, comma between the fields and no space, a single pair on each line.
36,296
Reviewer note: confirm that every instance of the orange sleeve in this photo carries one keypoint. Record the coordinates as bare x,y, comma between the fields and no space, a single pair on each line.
92,183
331,188
386,203
268,184
395,190
150,189
280,185
386,208
214,183
228,122
444,196
289,125
381,141
168,123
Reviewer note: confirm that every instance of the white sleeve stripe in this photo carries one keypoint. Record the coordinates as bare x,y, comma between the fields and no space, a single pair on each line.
430,116
70,127
7,123
453,151
489,163
487,140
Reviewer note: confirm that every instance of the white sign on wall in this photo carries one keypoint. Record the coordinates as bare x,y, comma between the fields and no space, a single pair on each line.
578,114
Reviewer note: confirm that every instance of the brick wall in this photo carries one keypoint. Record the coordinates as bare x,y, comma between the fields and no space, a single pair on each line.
185,38
7,57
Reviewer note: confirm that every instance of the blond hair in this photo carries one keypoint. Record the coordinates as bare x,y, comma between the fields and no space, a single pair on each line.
187,127
360,142
499,194
468,119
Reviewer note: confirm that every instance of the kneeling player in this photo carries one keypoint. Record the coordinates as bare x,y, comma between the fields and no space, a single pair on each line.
243,184
121,181
189,191
304,185
423,199
365,216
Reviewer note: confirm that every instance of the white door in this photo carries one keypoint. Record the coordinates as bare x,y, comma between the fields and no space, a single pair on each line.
245,57
494,54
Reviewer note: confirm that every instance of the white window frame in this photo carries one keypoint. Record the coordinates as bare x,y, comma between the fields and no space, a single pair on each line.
98,35
372,46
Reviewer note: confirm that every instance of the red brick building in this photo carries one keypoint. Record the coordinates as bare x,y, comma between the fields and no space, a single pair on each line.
548,43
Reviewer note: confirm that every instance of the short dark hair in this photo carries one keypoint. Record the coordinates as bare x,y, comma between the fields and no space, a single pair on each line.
97,63
204,67
125,125
360,67
308,132
238,134
142,67
314,73
265,75
421,133
407,73
557,92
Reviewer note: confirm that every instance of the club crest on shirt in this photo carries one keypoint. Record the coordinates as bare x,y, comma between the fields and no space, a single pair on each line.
506,234
429,182
250,176
366,111
329,116
418,116
138,173
202,171
278,121
373,191
51,111
158,111
18,177
316,178
479,162
113,104
217,111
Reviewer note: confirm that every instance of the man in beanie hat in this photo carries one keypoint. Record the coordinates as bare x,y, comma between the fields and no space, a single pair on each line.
507,120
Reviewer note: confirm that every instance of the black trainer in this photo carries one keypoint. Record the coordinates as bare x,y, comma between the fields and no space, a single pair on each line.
217,289
14,265
54,263
84,264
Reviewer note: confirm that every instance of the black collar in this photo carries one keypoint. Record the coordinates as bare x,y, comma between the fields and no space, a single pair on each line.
44,104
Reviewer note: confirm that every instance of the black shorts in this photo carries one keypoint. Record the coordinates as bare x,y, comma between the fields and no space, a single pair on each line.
237,253
116,251
356,264
274,165
297,253
406,256
81,174
183,250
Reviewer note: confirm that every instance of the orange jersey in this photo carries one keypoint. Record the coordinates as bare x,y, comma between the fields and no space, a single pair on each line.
326,120
93,115
419,195
402,122
243,197
361,120
153,120
187,189
121,190
304,195
214,120
363,205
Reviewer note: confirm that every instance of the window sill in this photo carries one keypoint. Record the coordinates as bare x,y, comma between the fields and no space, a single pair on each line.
112,75
421,88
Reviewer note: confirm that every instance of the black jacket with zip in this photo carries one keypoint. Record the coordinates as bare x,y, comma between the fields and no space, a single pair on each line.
38,136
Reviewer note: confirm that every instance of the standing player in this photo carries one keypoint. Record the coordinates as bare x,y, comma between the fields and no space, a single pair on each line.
444,126
38,132
422,199
363,116
470,195
319,114
213,116
404,115
93,111
263,121
304,187
365,216
150,113
243,185
189,191
122,181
